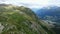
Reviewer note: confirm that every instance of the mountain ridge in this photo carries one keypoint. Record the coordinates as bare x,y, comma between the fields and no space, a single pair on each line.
21,20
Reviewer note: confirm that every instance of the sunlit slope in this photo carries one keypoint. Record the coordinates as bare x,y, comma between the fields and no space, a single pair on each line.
21,20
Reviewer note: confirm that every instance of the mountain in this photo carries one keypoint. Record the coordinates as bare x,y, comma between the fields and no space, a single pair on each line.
51,11
48,13
21,20
51,14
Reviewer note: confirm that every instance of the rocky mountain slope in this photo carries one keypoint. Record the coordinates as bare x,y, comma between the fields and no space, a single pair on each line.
21,20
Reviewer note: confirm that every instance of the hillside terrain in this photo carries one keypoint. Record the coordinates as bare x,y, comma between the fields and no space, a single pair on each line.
21,20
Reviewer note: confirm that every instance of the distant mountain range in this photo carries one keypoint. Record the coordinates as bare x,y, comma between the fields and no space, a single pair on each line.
52,12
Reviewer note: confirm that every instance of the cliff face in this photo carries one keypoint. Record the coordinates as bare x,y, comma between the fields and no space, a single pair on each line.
21,20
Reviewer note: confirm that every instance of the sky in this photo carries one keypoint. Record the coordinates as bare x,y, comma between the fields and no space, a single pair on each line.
32,3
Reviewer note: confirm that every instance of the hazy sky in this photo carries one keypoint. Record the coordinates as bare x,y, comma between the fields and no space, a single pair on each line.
32,3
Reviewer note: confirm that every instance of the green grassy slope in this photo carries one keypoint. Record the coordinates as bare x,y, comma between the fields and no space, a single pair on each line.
21,20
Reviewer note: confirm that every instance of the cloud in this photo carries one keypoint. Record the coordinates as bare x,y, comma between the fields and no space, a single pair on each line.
32,3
